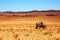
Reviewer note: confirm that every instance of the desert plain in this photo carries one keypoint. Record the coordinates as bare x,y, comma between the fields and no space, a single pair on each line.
23,28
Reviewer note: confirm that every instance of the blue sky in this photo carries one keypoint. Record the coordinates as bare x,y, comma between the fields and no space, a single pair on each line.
27,5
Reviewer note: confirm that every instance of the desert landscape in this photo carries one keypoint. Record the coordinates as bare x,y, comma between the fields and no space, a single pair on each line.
21,25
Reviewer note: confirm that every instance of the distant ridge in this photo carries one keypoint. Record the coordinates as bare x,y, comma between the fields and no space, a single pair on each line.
33,13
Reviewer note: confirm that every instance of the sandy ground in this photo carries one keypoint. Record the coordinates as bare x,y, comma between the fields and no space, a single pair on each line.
24,28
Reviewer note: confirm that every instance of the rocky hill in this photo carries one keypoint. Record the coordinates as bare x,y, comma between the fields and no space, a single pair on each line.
31,13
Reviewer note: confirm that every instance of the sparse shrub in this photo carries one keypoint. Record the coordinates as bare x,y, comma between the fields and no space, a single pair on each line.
15,15
50,15
57,39
58,31
16,36
46,33
22,16
27,35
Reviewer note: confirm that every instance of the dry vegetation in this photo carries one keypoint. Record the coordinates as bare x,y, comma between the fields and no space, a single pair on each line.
23,28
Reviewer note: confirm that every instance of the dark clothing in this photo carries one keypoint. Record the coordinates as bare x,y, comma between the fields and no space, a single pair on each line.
40,25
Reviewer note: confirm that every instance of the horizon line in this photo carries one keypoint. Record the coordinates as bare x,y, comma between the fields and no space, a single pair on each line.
31,10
